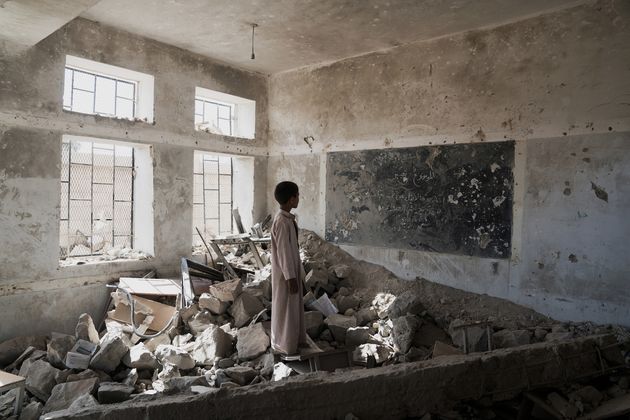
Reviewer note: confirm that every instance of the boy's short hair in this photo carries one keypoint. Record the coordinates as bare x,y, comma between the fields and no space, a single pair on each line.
284,191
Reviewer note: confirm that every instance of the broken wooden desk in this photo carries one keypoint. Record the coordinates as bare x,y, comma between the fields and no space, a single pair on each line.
8,381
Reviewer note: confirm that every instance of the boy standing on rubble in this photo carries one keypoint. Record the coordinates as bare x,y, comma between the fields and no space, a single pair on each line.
287,273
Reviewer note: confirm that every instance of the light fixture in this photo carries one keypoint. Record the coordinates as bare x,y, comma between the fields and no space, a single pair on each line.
254,25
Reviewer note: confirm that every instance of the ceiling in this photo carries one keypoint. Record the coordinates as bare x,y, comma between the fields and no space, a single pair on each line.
297,33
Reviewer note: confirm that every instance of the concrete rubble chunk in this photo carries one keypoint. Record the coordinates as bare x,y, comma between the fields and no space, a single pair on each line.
200,322
13,348
564,407
364,351
57,348
339,324
252,342
316,277
40,378
244,308
225,363
366,316
443,349
182,340
476,336
355,336
183,384
428,334
508,338
405,303
342,271
559,336
131,378
281,371
167,373
63,395
242,375
213,304
187,313
200,389
313,323
381,304
140,357
347,302
111,351
85,329
226,291
84,401
403,332
86,374
168,354
62,375
32,411
114,392
211,344
153,343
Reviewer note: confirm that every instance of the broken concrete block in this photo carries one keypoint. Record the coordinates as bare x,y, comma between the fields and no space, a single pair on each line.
244,308
355,336
365,316
187,313
211,344
568,410
85,329
62,376
84,401
226,291
86,374
183,384
32,411
225,363
63,395
202,320
364,351
442,349
252,342
211,303
57,348
559,336
113,392
200,389
381,304
40,378
403,331
182,340
229,384
476,336
339,324
131,378
281,371
140,357
342,271
590,395
153,343
316,277
175,356
313,323
347,302
13,348
110,353
405,303
242,375
265,365
428,334
507,338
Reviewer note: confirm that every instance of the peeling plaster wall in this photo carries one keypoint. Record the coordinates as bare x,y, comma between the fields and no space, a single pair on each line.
36,295
555,84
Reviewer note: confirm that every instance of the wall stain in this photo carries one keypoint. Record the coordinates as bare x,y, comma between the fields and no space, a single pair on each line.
599,192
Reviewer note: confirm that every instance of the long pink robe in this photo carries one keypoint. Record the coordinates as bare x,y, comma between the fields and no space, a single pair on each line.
287,310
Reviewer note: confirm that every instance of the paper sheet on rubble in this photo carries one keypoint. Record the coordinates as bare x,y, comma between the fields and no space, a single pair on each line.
153,287
323,305
162,313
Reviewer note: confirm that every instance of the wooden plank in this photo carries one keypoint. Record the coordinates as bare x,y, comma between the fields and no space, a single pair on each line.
162,313
151,287
9,380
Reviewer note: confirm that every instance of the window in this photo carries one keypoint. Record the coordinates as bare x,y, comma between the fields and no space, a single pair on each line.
106,197
100,89
224,114
212,196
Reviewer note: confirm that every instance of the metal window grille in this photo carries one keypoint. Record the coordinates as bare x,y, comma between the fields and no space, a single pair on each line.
212,196
214,116
91,93
96,198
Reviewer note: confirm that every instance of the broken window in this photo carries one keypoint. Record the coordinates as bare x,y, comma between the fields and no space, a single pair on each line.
213,116
96,88
97,189
212,196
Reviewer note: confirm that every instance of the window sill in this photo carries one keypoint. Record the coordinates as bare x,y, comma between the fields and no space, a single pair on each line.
101,117
134,256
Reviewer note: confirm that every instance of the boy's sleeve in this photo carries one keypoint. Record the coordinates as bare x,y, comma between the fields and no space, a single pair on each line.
284,251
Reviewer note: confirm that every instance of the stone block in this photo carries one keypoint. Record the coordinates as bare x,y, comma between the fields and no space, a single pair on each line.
112,349
200,321
226,291
316,277
342,271
153,343
405,303
183,384
355,336
40,378
168,354
63,395
244,308
32,411
85,329
403,331
339,324
508,338
347,302
364,351
211,344
366,316
313,323
252,342
140,357
113,392
213,304
242,375
57,348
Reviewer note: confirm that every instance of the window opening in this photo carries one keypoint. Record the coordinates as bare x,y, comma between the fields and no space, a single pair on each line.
214,116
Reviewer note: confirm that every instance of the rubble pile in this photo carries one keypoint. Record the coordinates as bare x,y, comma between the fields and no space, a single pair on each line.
222,340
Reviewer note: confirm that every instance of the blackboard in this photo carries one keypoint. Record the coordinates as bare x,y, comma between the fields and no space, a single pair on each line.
453,199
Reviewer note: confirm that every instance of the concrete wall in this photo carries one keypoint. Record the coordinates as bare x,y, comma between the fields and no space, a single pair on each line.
556,84
36,295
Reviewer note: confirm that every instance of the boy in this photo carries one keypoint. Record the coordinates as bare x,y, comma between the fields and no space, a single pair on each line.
287,273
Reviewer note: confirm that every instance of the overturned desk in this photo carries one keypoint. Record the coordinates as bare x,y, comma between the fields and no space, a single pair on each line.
8,381
242,239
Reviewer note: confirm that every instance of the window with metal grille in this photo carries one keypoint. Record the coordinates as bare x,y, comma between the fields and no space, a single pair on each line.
91,93
212,196
97,182
213,116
